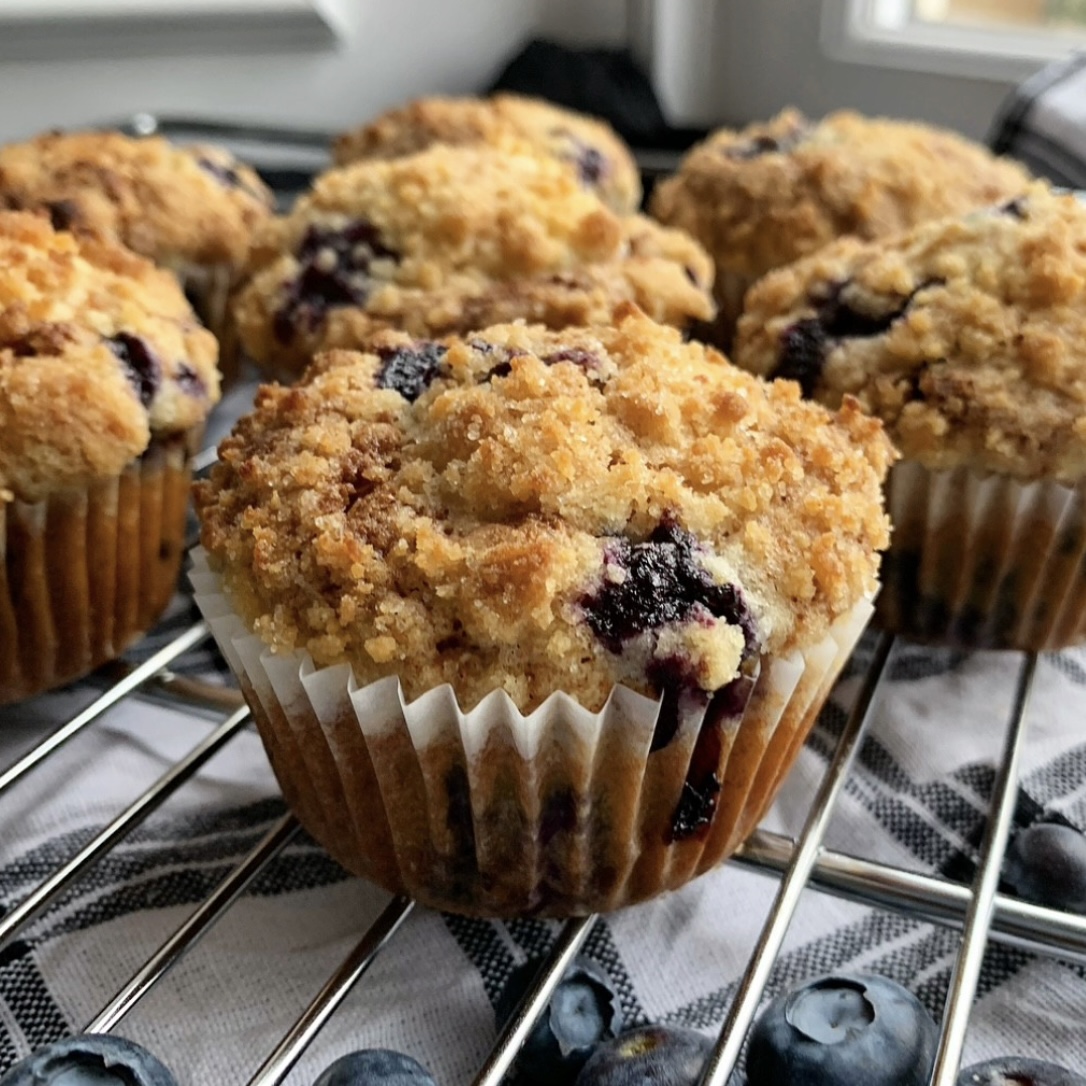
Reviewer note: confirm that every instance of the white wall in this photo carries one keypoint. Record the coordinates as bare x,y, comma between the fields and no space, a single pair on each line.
396,49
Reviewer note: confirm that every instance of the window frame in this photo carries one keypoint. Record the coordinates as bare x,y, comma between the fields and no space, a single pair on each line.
883,33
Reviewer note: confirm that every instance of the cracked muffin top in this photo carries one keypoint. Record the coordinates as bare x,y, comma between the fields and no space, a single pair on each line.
965,336
530,510
449,240
99,352
177,206
774,192
599,158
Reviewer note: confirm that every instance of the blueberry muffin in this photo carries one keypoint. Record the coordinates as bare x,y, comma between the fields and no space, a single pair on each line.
964,336
192,210
105,380
453,239
767,195
598,157
535,621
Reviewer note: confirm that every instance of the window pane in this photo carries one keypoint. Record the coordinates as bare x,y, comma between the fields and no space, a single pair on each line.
1056,14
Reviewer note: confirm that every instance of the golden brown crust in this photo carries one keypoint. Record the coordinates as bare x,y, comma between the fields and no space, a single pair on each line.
459,536
177,206
451,239
972,354
98,352
601,160
767,195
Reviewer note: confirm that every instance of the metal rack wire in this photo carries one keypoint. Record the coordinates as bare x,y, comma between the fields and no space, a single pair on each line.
979,911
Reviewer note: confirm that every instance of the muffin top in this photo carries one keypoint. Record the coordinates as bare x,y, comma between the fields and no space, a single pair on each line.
99,352
453,239
600,160
175,205
965,336
772,193
531,510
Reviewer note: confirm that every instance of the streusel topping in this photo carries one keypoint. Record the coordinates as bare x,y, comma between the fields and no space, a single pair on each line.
99,351
772,193
175,205
452,239
531,510
590,147
964,336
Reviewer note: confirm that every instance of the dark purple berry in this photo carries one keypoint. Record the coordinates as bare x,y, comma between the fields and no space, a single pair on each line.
701,789
592,164
410,370
333,271
375,1067
840,1031
1018,1071
225,174
90,1060
651,584
583,1011
1046,864
189,381
1015,209
587,360
805,345
757,146
660,1055
140,365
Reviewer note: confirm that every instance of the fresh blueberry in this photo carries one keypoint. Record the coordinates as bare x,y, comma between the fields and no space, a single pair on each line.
656,1055
375,1067
1018,1071
1046,864
658,582
840,1031
583,1011
334,267
90,1060
410,370
141,366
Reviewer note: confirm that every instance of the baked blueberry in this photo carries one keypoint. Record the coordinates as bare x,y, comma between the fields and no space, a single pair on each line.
583,1012
840,1031
1046,864
1018,1071
141,367
660,1055
410,370
375,1067
805,344
334,271
577,355
90,1060
661,581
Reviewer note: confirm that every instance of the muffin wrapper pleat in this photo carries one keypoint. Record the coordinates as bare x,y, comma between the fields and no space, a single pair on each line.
85,572
492,812
979,560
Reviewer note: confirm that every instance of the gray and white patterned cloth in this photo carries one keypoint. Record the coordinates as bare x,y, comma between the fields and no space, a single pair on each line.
916,798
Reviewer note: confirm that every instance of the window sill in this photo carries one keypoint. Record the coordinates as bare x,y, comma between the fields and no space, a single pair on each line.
34,30
851,34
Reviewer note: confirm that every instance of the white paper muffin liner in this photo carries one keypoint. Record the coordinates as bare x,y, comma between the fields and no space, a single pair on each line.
492,812
980,560
86,571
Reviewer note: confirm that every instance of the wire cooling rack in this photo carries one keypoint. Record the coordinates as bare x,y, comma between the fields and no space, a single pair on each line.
979,911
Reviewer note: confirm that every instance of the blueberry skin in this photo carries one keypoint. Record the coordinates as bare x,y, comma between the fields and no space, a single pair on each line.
648,1056
90,1060
1016,1071
843,1030
1046,864
583,1011
375,1067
